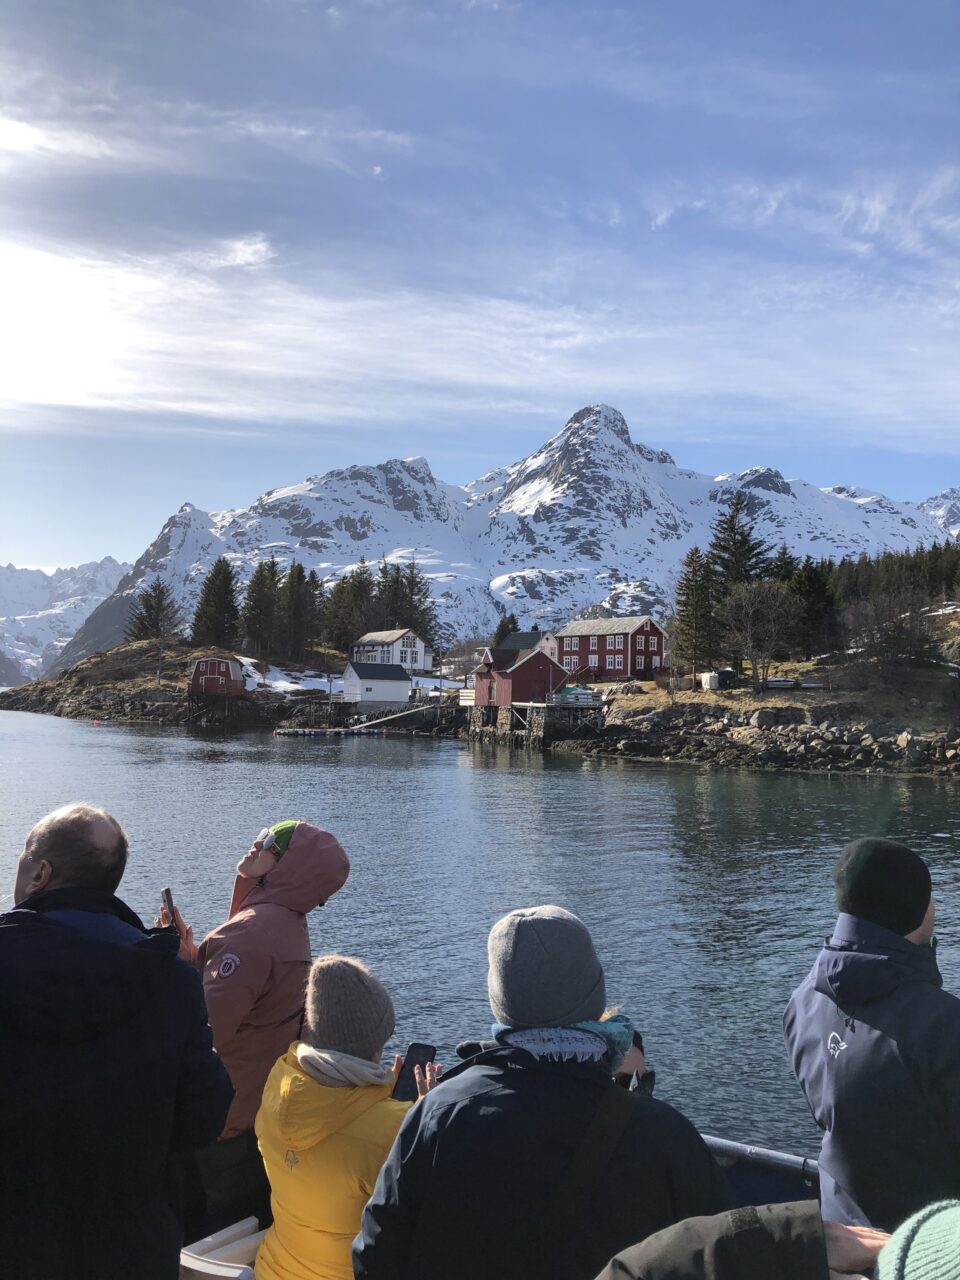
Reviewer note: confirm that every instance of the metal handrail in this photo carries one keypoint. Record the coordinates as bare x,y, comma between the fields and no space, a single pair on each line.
805,1166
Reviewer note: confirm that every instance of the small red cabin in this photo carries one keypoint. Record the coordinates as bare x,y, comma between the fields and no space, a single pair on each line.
216,675
506,677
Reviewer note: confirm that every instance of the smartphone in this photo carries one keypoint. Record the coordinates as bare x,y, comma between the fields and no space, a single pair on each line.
167,897
418,1055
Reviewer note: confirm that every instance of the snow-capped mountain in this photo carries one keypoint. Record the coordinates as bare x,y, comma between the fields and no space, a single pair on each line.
945,509
39,612
590,519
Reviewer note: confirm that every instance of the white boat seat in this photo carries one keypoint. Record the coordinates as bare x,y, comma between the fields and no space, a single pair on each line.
229,1254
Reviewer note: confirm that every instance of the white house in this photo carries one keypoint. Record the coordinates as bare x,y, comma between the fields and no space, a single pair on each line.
401,646
382,684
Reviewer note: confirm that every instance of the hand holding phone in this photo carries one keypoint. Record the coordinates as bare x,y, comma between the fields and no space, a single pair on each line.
170,915
417,1055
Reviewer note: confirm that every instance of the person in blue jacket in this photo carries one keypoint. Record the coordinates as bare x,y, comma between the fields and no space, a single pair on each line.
874,1041
107,1066
477,1181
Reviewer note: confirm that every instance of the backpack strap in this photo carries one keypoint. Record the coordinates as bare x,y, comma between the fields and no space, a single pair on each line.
568,1201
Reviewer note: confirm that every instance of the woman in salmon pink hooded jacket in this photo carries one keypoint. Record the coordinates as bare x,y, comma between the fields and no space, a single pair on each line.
255,968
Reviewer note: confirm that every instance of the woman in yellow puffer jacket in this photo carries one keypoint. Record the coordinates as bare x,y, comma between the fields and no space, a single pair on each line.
326,1124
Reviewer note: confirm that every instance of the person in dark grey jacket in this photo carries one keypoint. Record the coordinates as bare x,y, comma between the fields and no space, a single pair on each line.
477,1164
875,1044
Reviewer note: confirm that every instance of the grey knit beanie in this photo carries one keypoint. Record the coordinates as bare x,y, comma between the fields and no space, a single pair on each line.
543,970
348,1010
925,1247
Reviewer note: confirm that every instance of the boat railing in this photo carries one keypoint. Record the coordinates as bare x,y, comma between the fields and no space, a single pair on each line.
803,1167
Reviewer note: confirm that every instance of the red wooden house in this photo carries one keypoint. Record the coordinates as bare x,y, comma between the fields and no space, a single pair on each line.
217,675
613,648
506,676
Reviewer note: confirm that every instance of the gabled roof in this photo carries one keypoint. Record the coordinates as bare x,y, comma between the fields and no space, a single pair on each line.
522,639
507,660
604,626
379,671
385,637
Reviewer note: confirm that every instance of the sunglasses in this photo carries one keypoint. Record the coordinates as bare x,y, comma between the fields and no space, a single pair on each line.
267,840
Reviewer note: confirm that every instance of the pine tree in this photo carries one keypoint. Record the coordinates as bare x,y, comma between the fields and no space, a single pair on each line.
293,612
259,615
784,564
217,614
420,610
696,631
735,554
315,605
154,614
505,627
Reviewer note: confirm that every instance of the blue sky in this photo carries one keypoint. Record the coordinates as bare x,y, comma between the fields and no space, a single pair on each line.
245,241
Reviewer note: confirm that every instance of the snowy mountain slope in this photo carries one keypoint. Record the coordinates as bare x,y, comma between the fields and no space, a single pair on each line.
39,611
591,519
945,510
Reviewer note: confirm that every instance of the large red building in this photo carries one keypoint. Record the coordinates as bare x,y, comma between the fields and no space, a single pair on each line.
506,676
615,648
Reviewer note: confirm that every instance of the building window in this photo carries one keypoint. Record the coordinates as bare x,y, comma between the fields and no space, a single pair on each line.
619,640
404,656
491,692
569,664
641,642
646,625
566,642
656,661
593,660
653,642
609,642
593,642
368,688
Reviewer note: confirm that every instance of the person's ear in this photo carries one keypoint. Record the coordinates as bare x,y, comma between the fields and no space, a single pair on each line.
42,875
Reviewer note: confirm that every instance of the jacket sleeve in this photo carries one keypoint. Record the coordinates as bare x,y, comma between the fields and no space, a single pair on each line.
751,1243
381,1250
204,1091
235,972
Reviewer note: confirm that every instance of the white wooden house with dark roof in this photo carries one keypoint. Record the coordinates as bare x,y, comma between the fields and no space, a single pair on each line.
617,648
376,684
401,646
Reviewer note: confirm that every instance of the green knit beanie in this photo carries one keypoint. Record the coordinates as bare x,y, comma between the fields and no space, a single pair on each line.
925,1247
283,831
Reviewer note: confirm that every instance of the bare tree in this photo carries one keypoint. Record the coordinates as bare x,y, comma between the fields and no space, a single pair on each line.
894,630
761,619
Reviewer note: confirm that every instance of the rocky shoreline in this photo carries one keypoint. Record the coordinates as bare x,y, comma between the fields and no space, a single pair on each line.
838,737
826,738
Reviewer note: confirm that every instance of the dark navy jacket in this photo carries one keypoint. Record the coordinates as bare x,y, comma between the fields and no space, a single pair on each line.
474,1164
106,1068
875,1044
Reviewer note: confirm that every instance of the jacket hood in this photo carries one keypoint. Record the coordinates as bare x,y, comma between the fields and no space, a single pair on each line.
863,962
306,1112
313,868
66,986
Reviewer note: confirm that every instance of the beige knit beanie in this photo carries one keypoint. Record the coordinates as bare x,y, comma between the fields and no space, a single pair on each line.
348,1010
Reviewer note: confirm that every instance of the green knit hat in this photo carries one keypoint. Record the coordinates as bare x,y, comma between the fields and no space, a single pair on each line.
925,1247
283,831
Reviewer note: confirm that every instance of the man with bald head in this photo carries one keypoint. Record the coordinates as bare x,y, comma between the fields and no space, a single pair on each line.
107,1066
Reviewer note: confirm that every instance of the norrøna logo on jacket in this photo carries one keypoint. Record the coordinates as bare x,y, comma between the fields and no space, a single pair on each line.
835,1045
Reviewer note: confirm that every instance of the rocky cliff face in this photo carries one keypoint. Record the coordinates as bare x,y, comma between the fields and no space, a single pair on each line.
590,520
39,612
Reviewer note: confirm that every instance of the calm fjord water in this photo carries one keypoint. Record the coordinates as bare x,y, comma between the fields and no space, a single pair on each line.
707,893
